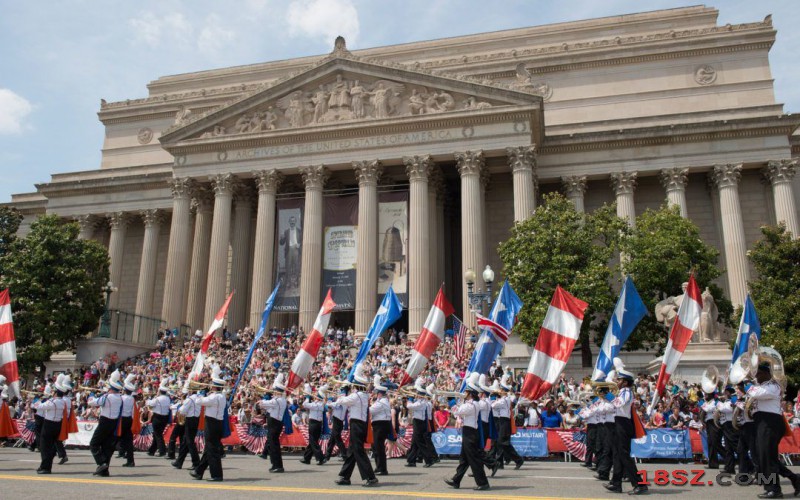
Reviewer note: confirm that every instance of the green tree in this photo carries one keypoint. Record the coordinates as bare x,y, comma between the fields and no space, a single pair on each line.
56,284
776,294
559,246
10,218
661,251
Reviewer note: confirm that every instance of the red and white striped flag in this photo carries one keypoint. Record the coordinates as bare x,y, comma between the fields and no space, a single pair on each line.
219,319
459,338
686,323
308,352
500,333
557,337
429,338
8,346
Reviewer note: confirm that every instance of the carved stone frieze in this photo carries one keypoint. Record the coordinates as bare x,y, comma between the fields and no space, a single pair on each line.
705,74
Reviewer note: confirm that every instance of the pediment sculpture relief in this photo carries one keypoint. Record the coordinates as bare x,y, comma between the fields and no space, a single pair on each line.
524,81
343,100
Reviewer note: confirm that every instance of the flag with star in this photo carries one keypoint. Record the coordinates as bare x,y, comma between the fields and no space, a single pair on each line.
628,312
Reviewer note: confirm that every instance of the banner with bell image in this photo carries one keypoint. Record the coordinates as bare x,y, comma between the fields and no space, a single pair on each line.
289,253
339,251
393,244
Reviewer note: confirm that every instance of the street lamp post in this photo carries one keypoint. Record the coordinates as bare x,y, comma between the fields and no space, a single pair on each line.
478,298
105,321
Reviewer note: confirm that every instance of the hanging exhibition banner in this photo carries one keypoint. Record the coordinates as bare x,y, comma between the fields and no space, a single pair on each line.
393,244
339,251
289,250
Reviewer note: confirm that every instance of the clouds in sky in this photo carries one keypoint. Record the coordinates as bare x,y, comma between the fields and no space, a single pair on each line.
14,109
323,19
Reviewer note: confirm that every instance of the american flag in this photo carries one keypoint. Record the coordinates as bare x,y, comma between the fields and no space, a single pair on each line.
575,441
497,330
460,337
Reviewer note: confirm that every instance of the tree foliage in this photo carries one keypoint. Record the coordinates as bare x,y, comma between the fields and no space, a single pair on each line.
10,218
776,294
56,284
559,246
661,250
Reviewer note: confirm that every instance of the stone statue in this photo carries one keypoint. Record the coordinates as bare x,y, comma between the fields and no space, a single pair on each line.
385,98
294,106
667,310
270,118
256,122
340,94
416,104
709,332
473,103
357,100
242,125
525,82
182,116
320,101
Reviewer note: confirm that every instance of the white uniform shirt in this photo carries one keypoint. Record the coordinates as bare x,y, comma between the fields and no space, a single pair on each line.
127,405
606,411
767,397
725,411
589,414
109,404
709,407
275,407
357,404
160,404
214,404
68,404
501,407
468,412
52,410
191,406
314,409
339,410
418,409
623,403
381,410
483,409
743,418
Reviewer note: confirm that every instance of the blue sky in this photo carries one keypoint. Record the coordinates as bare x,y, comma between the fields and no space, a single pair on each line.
58,59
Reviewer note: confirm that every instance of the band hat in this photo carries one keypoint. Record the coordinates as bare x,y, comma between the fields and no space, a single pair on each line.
163,387
59,384
114,381
377,384
504,382
496,389
473,382
621,371
482,384
322,391
431,390
216,376
308,390
67,383
279,384
419,387
359,377
129,385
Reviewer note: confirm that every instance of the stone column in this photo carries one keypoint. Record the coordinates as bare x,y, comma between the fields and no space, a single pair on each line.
522,161
88,224
314,178
471,165
116,250
419,299
180,233
223,185
674,181
780,173
435,182
268,182
368,174
203,203
624,183
152,219
726,179
574,188
240,264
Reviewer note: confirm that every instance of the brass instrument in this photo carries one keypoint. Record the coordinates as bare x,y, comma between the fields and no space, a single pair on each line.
180,418
737,414
717,416
261,390
451,394
747,364
773,357
710,379
89,389
34,393
611,386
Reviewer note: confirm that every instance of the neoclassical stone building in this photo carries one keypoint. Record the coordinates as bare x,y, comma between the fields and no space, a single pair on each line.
407,164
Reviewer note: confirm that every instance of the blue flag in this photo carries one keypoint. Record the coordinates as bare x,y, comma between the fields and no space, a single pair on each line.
628,312
390,311
260,333
749,324
504,313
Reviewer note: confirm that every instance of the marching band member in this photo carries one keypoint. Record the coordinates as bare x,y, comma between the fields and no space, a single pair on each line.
64,385
747,434
590,418
315,408
339,417
431,391
486,430
7,426
357,404
179,429
52,412
731,442
191,409
501,407
606,435
713,433
214,405
381,413
104,438
128,414
418,408
471,456
38,419
275,408
624,432
161,410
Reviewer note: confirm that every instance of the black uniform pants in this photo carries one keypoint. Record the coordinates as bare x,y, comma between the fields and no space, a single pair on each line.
471,457
159,424
336,439
591,444
606,434
177,434
275,428
126,439
419,445
380,431
212,453
623,462
731,445
313,449
188,446
356,454
61,452
713,442
38,423
505,451
103,440
769,432
47,443
747,439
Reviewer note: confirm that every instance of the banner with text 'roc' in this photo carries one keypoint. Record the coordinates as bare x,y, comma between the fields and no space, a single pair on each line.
339,251
289,253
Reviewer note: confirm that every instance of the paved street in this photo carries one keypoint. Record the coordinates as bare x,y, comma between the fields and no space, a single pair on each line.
246,477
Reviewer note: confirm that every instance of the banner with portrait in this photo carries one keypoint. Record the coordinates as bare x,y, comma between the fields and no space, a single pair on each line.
393,244
339,251
289,253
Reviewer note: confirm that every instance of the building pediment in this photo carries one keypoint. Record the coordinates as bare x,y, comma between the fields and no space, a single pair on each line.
344,90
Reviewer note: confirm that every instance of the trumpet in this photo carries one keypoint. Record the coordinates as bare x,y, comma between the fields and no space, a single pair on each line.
89,389
35,393
611,386
451,394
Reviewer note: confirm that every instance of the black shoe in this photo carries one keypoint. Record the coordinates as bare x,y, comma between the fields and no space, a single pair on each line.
163,454
382,473
482,487
263,457
495,467
613,488
177,465
195,475
303,461
31,449
129,463
796,485
712,467
771,494
601,477
586,465
214,479
120,455
519,465
151,454
100,469
321,462
452,484
171,457
342,482
370,482
63,461
639,490
277,470
428,466
105,473
593,467
411,464
42,471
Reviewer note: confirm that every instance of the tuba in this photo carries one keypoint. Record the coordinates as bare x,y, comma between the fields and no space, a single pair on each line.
747,364
710,379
